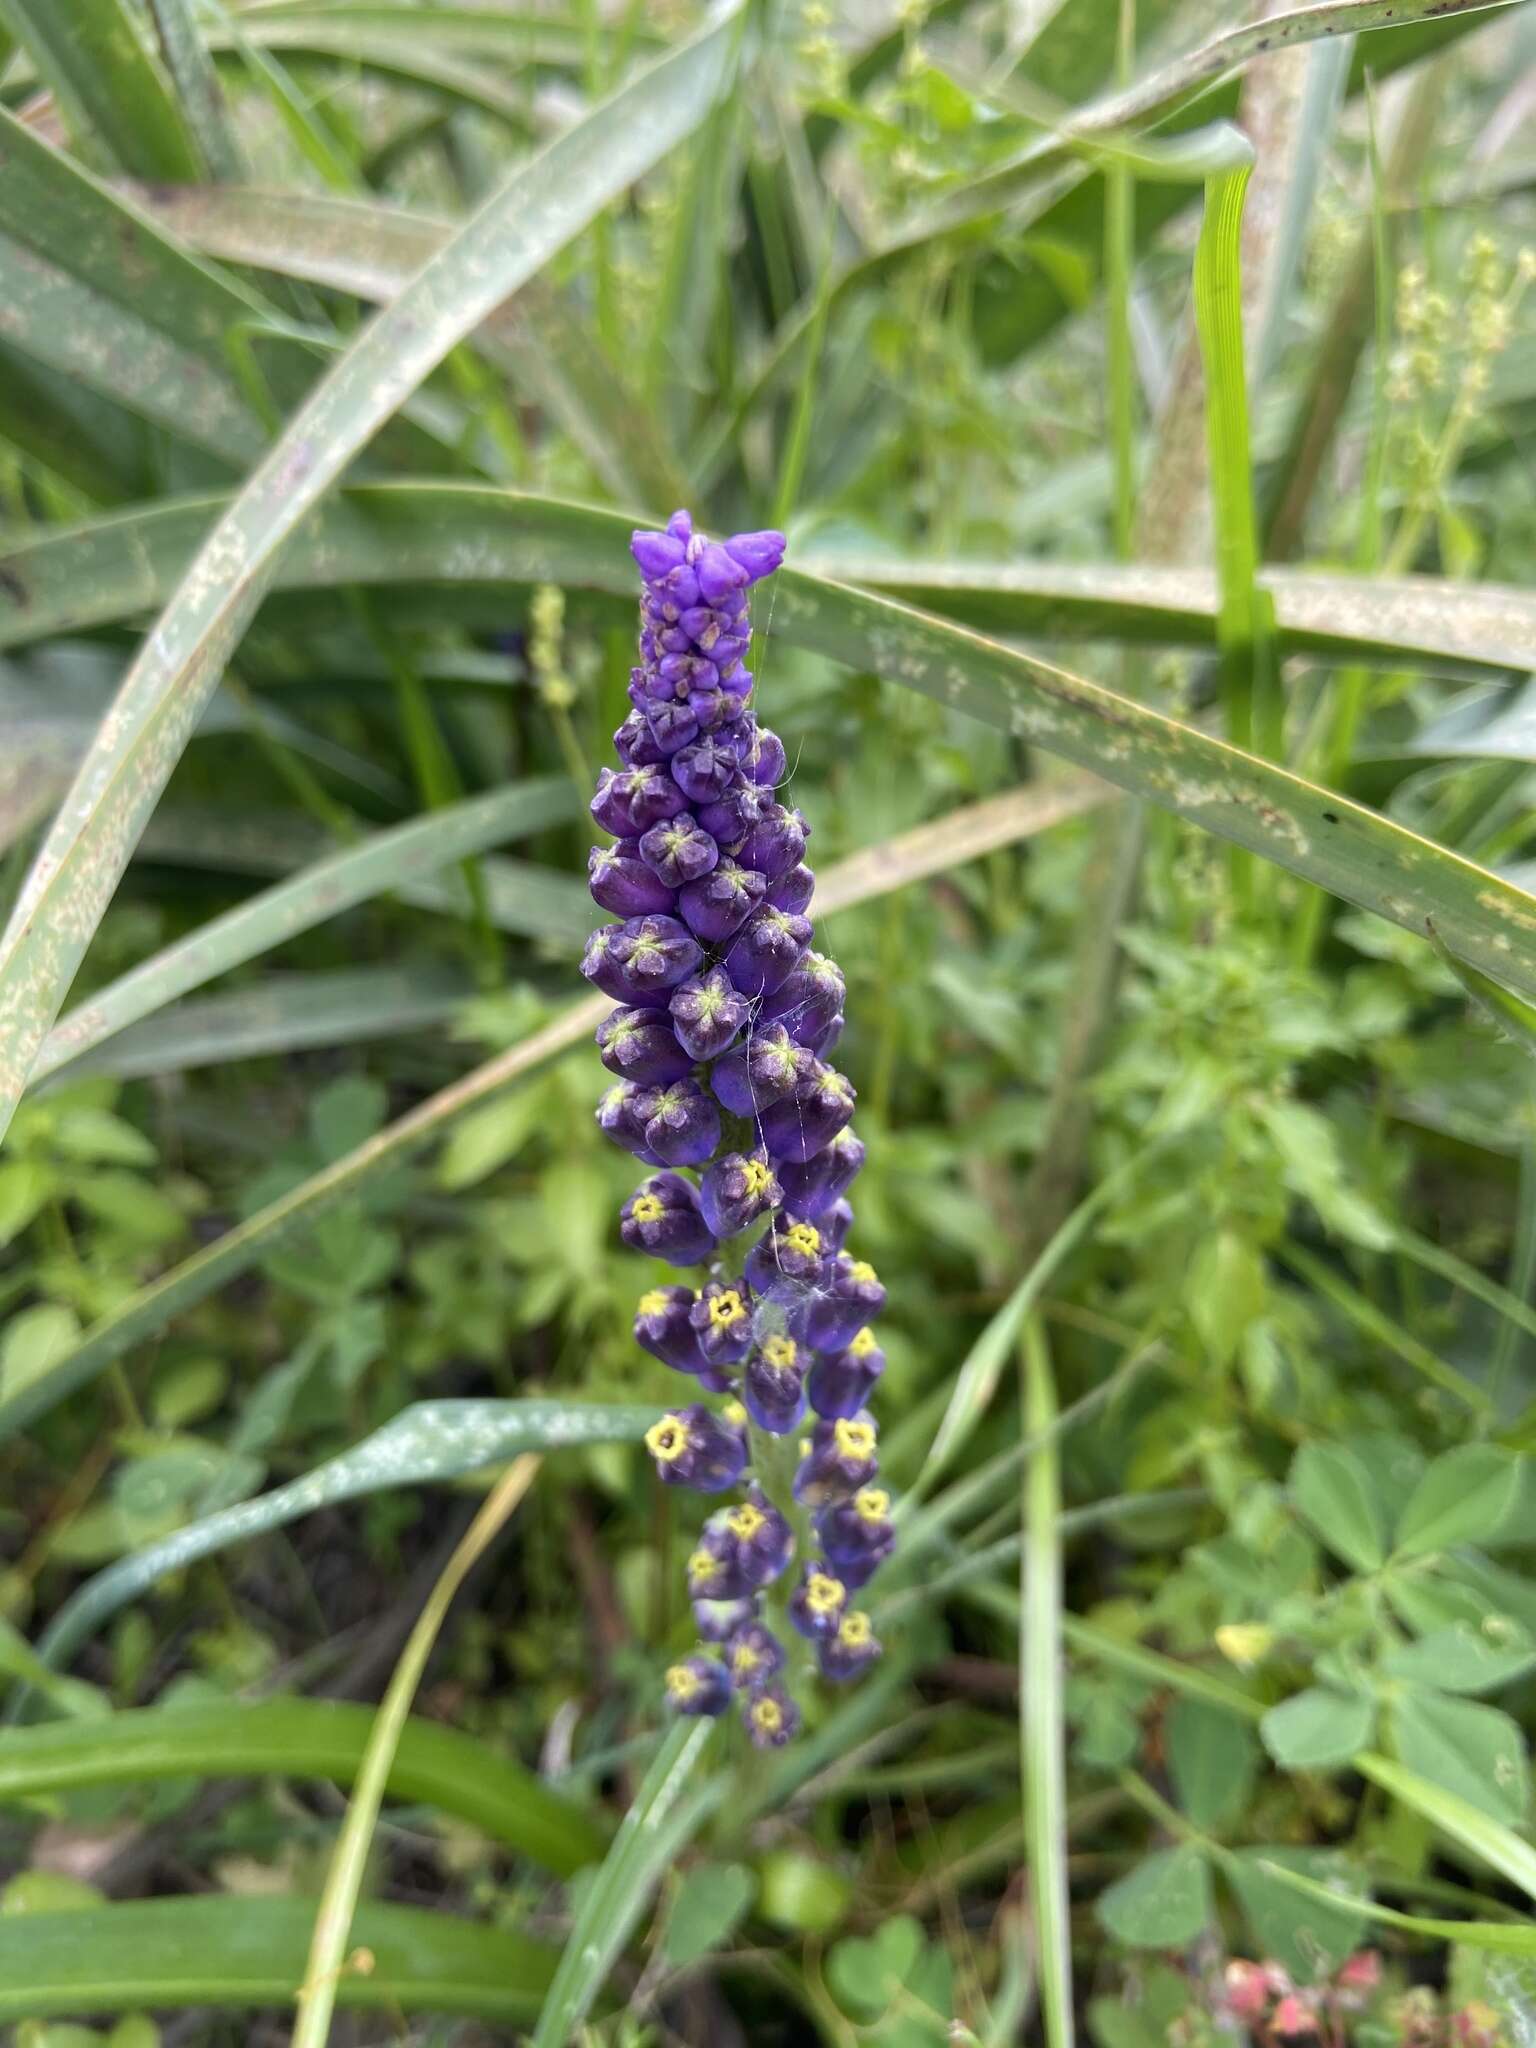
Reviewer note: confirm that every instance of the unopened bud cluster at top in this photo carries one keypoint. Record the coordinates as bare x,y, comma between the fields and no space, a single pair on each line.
719,1050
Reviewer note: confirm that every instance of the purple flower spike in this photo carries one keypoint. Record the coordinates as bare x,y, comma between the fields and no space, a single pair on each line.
662,1219
840,1385
621,882
773,1386
622,1114
798,1129
720,1323
662,1327
793,889
638,1045
835,1225
692,1448
718,1620
851,1651
844,1455
722,902
758,553
706,770
708,1014
853,1298
720,574
818,1602
754,1655
776,842
772,1718
678,851
767,949
736,1190
673,727
858,1535
658,554
698,1685
682,1124
814,1186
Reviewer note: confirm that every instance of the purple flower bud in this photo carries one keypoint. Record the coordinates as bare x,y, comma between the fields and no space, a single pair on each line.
641,960
692,1448
706,770
813,1187
776,841
736,1190
818,1602
753,1539
662,1327
673,726
720,1323
732,816
706,625
840,1385
708,1014
658,554
822,1041
773,1386
772,1718
835,1226
635,745
768,948
851,1651
720,574
622,883
678,851
771,1068
718,1620
764,761
758,553
787,1259
638,1045
716,706
853,1297
858,1535
793,889
682,1124
698,1685
809,999
680,525
843,1456
622,1112
754,1655
722,902
631,801
661,1218
798,1129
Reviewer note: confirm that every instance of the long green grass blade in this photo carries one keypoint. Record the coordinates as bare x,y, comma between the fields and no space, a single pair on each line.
1488,1840
667,1809
349,877
409,60
1042,1676
244,1952
196,82
433,1765
108,79
539,209
1497,1937
426,1443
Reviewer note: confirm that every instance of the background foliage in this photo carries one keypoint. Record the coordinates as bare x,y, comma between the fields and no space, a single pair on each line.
1149,397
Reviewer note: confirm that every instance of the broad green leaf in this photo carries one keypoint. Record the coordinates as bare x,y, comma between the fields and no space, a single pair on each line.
667,1809
434,1765
1333,1493
534,214
1462,1821
1464,1497
710,1905
1164,1902
1308,1938
1213,1760
1463,1658
99,61
426,1443
245,1952
353,875
1475,1752
1318,1729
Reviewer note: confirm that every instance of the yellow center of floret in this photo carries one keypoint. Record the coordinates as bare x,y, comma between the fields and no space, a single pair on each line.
682,1683
855,1631
863,1343
853,1439
746,1521
862,1273
702,1566
824,1595
726,1309
755,1176
872,1504
803,1237
734,1414
667,1439
745,1660
647,1209
767,1716
780,1352
655,1302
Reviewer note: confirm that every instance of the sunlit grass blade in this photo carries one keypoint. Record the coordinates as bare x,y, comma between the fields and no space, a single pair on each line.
316,1998
428,1442
99,61
535,213
1042,1675
667,1809
433,1765
348,877
231,1952
1488,1840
